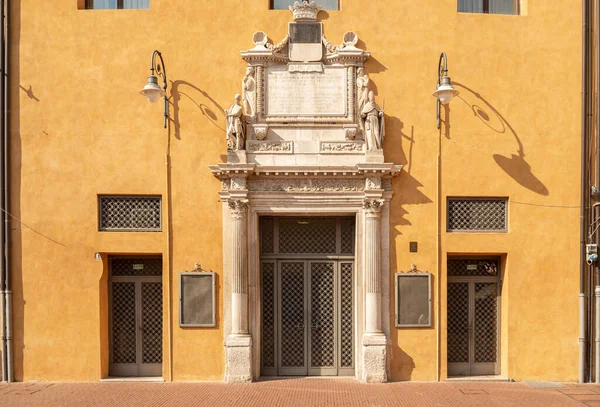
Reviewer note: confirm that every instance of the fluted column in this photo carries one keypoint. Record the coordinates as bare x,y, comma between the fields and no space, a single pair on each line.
374,341
239,342
239,266
372,209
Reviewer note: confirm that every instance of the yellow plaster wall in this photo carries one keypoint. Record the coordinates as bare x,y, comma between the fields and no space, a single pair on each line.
79,129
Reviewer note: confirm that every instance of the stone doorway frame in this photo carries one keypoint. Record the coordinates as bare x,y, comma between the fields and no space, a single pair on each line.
363,191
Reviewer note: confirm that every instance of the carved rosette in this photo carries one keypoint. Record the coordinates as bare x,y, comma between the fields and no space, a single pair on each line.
239,208
373,206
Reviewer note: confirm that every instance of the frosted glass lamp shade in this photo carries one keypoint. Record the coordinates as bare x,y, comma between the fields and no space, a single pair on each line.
445,92
152,91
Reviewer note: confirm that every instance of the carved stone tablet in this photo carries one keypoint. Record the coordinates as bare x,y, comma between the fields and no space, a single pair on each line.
305,93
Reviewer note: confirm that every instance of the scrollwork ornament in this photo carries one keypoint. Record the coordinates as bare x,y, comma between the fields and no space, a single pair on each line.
373,206
239,208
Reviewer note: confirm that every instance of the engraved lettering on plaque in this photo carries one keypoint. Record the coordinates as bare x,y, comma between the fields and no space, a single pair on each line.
305,93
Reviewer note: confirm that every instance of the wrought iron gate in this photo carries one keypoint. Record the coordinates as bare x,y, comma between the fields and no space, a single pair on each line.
307,298
135,297
473,317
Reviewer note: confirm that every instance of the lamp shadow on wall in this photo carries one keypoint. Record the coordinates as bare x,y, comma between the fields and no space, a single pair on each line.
515,165
209,107
29,93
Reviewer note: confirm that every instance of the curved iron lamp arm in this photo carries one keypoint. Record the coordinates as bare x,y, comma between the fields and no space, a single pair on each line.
159,67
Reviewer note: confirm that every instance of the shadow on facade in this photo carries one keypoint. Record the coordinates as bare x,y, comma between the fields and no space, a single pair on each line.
515,165
406,188
209,107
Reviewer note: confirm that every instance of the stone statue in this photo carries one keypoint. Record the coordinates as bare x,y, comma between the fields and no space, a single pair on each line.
372,118
249,91
362,85
236,135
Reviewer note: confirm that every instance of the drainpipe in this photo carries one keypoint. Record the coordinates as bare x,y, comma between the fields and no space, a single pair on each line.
8,310
582,266
2,271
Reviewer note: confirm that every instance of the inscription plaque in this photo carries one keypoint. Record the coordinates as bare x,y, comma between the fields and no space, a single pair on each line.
305,93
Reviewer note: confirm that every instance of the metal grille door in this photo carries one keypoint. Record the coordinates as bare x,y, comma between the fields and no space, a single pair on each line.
135,291
322,318
307,296
473,325
293,318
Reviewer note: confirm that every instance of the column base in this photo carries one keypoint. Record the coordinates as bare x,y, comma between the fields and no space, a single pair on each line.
374,358
238,365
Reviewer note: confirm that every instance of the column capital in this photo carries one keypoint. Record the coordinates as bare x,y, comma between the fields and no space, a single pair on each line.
373,206
238,207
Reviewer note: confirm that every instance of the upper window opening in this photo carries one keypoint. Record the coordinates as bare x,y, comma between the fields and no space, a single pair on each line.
116,4
284,4
489,6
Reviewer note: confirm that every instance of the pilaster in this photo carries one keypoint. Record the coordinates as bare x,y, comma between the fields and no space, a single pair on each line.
239,342
374,341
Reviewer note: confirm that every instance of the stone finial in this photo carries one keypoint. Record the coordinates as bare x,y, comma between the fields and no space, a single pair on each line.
305,11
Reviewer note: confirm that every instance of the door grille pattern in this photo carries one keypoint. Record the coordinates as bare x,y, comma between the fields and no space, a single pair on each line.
346,326
123,323
486,322
151,322
477,214
473,267
136,267
322,315
458,323
130,212
292,314
307,235
347,235
268,314
266,235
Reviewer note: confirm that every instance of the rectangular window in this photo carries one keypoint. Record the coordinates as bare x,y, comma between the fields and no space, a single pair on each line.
284,4
413,300
489,6
477,214
197,299
129,213
116,4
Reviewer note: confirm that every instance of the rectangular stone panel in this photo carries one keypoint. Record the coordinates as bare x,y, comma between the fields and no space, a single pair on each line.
305,93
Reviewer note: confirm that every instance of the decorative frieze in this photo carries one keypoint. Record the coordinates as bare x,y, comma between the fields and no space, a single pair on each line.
306,185
341,147
271,147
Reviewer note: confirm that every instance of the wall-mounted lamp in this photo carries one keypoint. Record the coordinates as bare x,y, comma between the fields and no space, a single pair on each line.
444,92
152,91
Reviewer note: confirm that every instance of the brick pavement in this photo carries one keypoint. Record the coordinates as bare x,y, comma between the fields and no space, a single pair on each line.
296,392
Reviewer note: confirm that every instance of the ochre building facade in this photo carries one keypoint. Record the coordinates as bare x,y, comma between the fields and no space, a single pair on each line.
311,229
